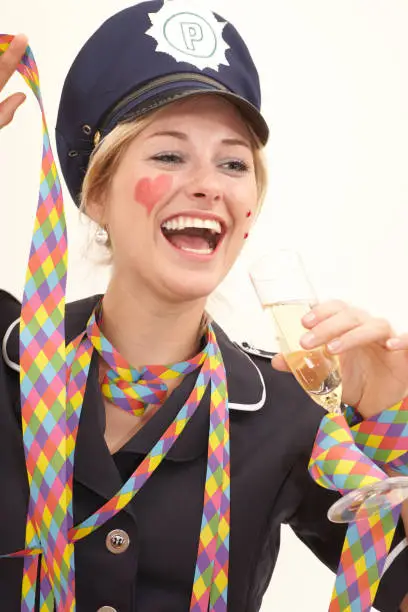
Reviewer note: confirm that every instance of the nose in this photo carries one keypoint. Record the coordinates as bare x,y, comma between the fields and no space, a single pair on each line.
205,186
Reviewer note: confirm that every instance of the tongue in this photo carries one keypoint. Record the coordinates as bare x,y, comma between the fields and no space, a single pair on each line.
183,241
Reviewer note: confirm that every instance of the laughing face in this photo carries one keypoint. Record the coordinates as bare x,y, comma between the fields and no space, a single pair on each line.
182,199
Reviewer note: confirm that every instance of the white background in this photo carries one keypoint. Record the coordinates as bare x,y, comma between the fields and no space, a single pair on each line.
334,75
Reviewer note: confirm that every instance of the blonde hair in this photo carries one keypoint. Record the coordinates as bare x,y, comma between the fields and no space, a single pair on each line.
108,153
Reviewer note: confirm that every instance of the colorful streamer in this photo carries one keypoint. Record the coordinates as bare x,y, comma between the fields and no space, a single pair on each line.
53,380
343,460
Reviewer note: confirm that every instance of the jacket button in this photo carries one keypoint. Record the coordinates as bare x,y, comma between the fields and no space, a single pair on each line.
117,542
106,609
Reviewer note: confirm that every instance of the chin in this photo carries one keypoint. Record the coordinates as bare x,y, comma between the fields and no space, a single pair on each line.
188,287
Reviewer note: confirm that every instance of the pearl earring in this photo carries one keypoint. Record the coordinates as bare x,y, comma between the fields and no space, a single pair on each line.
101,236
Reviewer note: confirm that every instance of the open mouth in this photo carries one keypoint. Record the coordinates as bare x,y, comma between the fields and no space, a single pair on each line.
193,234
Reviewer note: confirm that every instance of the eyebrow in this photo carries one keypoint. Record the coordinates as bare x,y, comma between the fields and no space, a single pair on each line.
183,136
179,135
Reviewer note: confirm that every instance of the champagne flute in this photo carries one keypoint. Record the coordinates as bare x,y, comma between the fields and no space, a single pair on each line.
286,295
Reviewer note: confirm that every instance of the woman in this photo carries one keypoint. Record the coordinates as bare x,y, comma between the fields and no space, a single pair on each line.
174,182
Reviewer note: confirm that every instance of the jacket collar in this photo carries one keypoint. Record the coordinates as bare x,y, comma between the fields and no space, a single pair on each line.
94,466
246,387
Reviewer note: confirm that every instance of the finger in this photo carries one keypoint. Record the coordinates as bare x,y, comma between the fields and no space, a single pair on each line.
398,343
323,311
375,331
335,326
11,58
9,106
279,363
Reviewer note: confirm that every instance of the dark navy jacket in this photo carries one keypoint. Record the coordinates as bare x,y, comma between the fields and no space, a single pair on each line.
273,426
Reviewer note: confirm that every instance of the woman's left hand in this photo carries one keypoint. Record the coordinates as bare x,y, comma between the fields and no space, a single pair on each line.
374,365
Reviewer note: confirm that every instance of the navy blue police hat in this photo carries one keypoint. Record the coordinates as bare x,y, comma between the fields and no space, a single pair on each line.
143,58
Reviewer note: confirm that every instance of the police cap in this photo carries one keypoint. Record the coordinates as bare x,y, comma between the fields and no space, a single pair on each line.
143,58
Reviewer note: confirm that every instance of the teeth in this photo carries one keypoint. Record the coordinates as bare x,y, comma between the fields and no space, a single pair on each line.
200,251
180,223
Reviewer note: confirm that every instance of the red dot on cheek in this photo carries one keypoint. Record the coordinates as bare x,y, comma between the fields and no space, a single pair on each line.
149,192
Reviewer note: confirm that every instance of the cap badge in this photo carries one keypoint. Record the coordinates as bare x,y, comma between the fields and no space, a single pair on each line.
189,32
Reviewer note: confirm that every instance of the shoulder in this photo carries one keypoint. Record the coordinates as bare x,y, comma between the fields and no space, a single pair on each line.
242,353
255,352
77,315
10,309
254,385
246,381
270,412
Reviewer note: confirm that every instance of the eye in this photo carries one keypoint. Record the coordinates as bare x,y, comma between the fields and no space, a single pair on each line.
237,166
168,158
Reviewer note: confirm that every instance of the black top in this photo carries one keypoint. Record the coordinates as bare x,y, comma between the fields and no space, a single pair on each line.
273,426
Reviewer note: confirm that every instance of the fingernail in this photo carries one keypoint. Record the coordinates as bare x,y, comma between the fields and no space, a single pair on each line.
308,339
394,343
309,318
334,346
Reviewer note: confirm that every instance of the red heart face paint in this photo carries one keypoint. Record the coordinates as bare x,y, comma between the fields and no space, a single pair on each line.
149,192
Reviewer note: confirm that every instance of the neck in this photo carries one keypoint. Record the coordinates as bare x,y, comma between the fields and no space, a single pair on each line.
147,331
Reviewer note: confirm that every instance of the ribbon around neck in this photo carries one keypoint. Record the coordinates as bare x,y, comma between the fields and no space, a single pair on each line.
211,575
127,387
53,379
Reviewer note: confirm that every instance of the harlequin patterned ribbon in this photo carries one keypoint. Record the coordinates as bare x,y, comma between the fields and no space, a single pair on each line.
384,437
51,416
213,553
337,463
211,573
43,378
132,389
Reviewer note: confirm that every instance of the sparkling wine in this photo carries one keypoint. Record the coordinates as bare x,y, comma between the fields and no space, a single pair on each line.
316,370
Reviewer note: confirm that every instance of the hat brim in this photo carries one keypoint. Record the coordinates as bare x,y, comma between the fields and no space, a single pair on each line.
137,107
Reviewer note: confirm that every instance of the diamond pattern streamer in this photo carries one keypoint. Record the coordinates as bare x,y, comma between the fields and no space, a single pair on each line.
384,437
51,415
211,574
132,389
337,463
362,562
43,379
161,448
213,552
212,561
